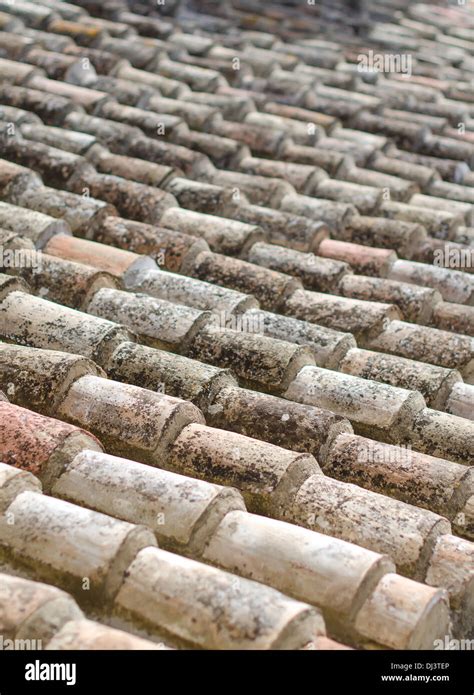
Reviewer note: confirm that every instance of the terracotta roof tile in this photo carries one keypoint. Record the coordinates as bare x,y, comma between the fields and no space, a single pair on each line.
38,444
41,378
36,226
34,609
248,275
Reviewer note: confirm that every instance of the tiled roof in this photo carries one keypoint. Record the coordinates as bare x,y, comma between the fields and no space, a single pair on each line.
236,324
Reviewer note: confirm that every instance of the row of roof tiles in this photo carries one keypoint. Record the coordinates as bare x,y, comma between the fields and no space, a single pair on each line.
271,212
205,521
